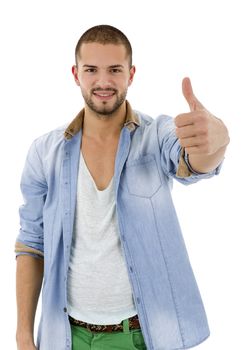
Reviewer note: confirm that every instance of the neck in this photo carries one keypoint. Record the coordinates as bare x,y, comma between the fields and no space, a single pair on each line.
103,127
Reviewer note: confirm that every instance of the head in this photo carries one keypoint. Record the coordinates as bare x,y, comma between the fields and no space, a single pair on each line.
103,68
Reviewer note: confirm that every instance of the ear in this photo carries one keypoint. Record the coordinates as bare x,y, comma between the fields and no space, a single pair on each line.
131,75
74,72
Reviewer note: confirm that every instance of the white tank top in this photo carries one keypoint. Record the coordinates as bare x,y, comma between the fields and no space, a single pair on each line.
99,290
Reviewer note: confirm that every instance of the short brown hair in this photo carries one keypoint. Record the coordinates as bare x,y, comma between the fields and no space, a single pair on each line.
104,34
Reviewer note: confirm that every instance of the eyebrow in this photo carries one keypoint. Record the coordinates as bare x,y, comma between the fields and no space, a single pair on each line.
116,66
89,65
112,66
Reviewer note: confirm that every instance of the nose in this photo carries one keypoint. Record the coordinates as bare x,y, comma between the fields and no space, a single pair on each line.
103,80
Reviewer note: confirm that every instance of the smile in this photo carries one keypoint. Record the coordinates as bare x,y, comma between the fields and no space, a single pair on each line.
104,95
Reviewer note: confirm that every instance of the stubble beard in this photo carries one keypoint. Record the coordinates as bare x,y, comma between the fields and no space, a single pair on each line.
105,109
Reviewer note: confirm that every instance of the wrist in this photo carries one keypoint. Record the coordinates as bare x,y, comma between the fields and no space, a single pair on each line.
24,339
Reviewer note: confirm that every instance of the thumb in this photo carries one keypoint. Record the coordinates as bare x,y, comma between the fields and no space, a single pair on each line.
193,102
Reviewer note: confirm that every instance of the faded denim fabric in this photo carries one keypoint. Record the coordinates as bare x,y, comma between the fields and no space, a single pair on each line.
165,292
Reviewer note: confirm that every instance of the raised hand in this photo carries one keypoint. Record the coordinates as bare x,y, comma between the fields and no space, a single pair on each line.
198,131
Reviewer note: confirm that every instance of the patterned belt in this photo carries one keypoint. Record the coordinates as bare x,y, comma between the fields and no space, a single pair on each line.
133,324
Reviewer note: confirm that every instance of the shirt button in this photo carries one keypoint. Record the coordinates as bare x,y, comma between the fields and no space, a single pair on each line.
138,300
65,309
131,269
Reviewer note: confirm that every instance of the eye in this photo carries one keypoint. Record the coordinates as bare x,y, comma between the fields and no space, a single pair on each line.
116,70
90,70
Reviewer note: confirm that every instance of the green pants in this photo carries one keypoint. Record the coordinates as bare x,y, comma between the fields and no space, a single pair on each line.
83,339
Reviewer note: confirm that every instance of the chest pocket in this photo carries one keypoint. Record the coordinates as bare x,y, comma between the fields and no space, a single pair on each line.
142,176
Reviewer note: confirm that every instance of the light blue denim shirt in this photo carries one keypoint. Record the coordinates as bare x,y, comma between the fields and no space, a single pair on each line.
148,158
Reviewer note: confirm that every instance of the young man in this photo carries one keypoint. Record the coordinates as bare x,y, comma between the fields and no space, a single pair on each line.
98,227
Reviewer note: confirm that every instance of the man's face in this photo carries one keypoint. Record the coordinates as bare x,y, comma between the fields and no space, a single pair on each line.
104,75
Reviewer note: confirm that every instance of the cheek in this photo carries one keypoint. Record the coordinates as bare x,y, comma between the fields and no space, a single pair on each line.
85,82
124,82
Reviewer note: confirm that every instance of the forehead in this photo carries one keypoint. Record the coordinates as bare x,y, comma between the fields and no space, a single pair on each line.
99,54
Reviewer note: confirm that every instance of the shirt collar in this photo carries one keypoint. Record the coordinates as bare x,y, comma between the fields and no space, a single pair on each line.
131,121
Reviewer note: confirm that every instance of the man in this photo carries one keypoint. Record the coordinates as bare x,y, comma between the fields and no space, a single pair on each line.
98,227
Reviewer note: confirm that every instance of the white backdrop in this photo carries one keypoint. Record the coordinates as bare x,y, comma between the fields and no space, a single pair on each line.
171,39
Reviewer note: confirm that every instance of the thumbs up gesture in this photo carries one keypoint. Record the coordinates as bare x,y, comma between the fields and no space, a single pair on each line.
198,131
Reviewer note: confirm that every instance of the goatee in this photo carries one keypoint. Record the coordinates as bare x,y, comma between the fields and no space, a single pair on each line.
105,110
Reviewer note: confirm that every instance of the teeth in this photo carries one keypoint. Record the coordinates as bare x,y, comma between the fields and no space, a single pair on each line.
104,95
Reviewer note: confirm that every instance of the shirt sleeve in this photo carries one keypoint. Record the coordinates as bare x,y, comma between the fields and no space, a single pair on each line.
34,190
174,159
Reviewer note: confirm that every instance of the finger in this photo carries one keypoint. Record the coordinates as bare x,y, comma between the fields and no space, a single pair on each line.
185,119
191,99
192,150
186,131
191,130
193,141
202,149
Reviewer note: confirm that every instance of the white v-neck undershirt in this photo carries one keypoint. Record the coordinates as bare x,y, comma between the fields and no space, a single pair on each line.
99,290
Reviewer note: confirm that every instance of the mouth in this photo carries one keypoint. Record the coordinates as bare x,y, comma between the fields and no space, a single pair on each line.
104,95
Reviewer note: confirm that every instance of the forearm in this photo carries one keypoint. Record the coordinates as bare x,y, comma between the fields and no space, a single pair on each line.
206,163
29,275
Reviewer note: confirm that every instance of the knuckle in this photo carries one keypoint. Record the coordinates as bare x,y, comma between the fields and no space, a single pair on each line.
182,142
203,127
177,120
203,119
177,132
199,118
